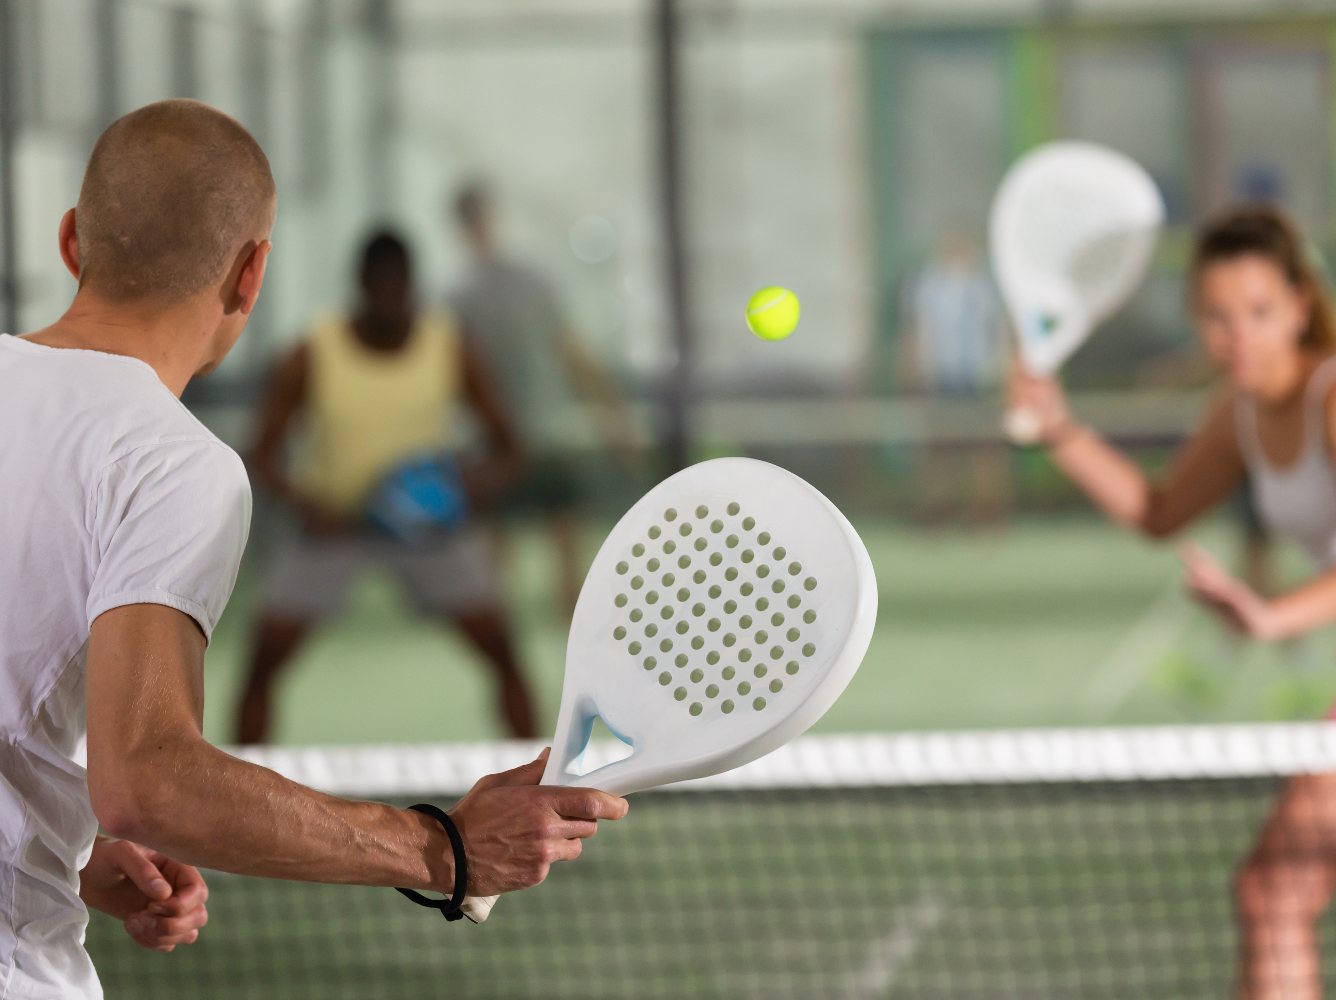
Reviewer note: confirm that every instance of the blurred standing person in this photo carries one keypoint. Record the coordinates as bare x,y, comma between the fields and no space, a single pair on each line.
374,390
515,318
956,340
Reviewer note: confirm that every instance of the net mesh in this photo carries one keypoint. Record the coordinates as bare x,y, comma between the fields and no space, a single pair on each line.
1093,864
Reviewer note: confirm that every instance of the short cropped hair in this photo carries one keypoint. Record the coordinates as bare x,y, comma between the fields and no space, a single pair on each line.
172,193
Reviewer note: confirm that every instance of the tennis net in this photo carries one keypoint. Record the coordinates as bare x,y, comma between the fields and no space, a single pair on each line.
1031,864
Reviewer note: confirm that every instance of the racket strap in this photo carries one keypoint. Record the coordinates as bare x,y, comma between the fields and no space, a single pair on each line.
450,908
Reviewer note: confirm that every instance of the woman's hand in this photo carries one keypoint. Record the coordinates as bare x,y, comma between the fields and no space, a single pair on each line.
160,901
1230,599
1037,411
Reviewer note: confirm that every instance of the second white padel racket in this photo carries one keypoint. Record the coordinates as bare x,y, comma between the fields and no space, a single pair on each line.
1071,233
724,614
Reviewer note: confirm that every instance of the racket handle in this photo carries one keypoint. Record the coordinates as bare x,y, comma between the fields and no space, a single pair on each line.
477,908
1022,427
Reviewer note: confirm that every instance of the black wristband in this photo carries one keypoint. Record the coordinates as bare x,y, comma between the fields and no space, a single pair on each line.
450,908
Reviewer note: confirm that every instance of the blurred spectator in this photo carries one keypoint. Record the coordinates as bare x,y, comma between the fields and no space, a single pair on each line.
955,322
956,349
374,390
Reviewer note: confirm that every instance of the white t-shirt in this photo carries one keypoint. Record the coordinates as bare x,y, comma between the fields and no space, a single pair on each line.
111,493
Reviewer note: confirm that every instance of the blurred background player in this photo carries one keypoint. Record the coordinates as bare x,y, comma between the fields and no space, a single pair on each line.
515,319
372,390
1266,318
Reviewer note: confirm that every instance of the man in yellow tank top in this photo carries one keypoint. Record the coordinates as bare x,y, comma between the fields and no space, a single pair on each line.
372,391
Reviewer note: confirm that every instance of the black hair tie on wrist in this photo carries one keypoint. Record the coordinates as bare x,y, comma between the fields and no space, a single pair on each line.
450,908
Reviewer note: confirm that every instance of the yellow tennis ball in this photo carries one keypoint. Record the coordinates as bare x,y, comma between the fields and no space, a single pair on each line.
772,313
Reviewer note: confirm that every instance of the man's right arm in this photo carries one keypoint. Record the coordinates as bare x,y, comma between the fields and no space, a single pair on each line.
284,399
153,779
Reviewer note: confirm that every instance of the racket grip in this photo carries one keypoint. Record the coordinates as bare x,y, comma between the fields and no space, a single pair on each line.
477,908
1022,427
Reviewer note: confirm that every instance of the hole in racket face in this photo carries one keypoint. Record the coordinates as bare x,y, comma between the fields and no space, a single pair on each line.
612,747
719,657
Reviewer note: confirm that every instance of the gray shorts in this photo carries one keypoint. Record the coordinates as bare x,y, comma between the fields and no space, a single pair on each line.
451,575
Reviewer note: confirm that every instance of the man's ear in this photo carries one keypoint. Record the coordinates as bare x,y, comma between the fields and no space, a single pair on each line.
250,270
69,244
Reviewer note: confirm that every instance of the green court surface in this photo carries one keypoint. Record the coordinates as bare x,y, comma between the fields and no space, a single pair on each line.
1065,622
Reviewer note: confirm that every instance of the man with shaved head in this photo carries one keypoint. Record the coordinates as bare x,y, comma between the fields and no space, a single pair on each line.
170,195
126,522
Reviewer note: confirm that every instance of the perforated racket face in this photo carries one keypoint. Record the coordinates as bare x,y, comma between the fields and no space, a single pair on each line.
1072,230
719,638
723,615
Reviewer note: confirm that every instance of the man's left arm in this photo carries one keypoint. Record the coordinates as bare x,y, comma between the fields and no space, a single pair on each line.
160,902
595,383
506,455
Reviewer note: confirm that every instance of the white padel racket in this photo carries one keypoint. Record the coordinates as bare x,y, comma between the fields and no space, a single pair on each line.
725,613
1071,233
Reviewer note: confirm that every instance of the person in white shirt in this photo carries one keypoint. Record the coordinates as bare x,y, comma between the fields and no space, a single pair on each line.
126,522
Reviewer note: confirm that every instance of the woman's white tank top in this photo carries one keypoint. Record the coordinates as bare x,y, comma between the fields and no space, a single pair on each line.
1297,502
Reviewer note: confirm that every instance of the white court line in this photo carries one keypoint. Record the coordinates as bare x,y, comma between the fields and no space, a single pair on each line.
1126,665
888,955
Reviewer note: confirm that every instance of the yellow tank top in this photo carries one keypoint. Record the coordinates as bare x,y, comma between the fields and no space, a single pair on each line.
367,410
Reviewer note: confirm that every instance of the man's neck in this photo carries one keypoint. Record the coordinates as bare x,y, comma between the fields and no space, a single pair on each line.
1288,378
383,332
168,340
